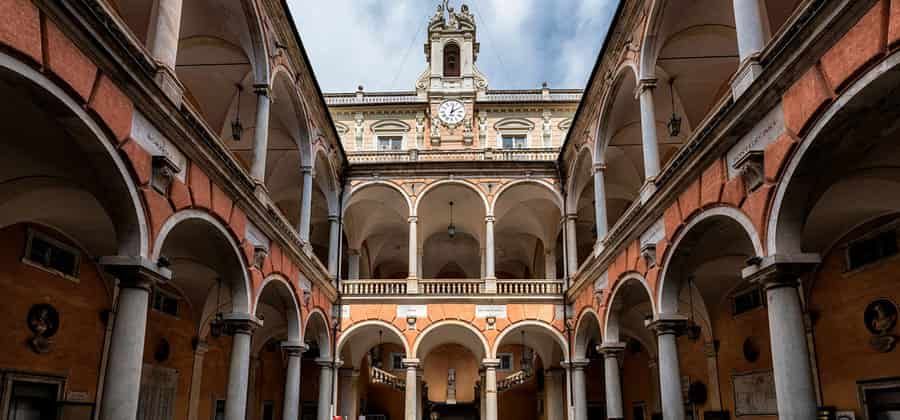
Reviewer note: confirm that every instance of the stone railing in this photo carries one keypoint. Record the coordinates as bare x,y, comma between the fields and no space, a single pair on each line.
547,154
384,377
514,379
519,288
456,287
373,287
529,287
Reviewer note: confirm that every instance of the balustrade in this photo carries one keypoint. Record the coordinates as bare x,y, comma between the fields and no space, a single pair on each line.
384,377
452,287
514,379
529,154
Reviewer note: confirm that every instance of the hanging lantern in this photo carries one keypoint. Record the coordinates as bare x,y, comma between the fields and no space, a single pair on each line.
237,128
674,123
451,228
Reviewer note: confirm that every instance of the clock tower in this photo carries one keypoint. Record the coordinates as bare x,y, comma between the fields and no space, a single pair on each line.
452,82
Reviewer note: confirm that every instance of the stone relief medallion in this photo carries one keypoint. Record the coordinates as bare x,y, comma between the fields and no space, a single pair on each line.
751,350
881,319
43,321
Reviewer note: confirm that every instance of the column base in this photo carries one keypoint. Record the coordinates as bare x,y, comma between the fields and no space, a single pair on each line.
412,285
749,70
167,81
647,190
490,286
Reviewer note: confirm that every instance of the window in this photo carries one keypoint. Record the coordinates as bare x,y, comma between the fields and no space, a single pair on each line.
396,361
390,142
506,361
32,397
872,249
219,410
517,141
165,302
51,255
747,301
451,60
268,410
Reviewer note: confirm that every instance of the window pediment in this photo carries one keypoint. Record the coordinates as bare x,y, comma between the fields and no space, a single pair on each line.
514,124
392,126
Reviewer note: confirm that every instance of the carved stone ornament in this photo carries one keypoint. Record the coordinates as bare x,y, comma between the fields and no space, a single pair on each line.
881,320
259,256
164,171
752,170
43,321
648,252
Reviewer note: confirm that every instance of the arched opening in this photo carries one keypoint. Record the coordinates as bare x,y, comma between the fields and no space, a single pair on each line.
324,207
456,256
527,215
278,309
530,380
581,202
703,283
451,60
376,218
316,368
587,343
629,312
373,377
622,148
450,354
838,198
66,199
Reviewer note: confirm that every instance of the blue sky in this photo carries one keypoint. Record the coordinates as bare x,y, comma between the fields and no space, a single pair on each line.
379,43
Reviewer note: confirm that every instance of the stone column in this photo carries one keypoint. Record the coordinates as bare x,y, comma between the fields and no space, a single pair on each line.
649,138
164,31
325,387
794,387
420,374
654,385
136,277
334,245
490,388
751,27
481,394
241,327
600,202
349,393
353,264
613,384
261,134
667,331
554,405
579,389
305,204
412,391
490,277
571,245
412,281
712,367
550,262
293,352
196,380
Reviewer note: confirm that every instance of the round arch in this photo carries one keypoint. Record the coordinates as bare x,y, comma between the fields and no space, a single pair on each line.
421,196
573,182
284,289
359,342
330,185
587,320
316,319
553,191
349,195
784,229
241,291
544,348
604,136
611,328
466,334
132,231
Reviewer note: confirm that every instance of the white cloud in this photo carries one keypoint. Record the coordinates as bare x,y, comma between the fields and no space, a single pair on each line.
378,43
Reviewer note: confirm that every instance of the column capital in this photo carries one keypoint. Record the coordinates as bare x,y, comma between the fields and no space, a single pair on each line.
325,362
306,169
413,219
570,217
333,218
780,270
238,323
136,272
294,348
577,364
598,167
612,350
200,347
490,218
668,324
644,84
410,363
262,89
490,363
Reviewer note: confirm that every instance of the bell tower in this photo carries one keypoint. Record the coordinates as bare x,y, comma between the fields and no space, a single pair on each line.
451,51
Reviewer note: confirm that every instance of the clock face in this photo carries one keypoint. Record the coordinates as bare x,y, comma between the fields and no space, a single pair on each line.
452,112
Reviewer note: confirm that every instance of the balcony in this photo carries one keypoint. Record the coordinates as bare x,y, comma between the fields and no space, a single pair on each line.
510,289
545,154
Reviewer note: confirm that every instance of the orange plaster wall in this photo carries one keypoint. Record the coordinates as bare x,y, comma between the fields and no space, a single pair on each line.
636,386
731,331
692,361
215,375
519,403
270,378
841,338
78,345
180,334
436,365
